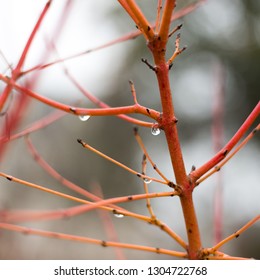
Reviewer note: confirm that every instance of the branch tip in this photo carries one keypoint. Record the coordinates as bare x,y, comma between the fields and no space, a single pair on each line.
80,141
145,61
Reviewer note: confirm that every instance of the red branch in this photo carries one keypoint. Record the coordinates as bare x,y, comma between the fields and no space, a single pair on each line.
136,108
196,174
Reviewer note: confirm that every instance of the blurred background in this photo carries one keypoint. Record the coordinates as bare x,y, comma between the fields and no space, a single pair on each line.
222,59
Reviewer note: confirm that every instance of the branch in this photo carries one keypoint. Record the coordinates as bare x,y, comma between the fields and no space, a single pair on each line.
94,205
144,177
141,144
131,35
196,174
138,17
16,71
102,104
82,239
235,234
166,20
82,209
224,161
40,124
136,108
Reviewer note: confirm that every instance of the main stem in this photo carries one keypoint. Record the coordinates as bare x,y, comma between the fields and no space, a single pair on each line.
168,123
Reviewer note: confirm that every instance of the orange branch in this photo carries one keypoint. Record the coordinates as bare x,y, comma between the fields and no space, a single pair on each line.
82,239
166,20
235,234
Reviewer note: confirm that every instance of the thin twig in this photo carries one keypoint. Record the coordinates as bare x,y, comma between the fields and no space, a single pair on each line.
145,182
142,146
108,224
136,108
177,50
40,124
158,16
196,174
235,234
87,146
82,239
131,35
225,160
94,205
17,69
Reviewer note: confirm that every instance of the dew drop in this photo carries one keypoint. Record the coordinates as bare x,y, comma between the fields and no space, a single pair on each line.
119,216
155,130
147,181
84,118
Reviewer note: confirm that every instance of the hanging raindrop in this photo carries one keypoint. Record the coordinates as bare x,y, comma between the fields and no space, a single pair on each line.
119,216
147,180
155,130
84,118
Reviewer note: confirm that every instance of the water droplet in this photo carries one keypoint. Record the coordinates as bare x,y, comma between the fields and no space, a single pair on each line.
147,180
155,130
119,216
84,118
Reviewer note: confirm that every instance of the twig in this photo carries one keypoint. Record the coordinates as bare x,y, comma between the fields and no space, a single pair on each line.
218,141
138,109
108,224
235,234
166,20
40,124
131,35
138,17
145,182
82,239
87,146
196,174
17,69
177,51
158,16
141,144
224,161
94,205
